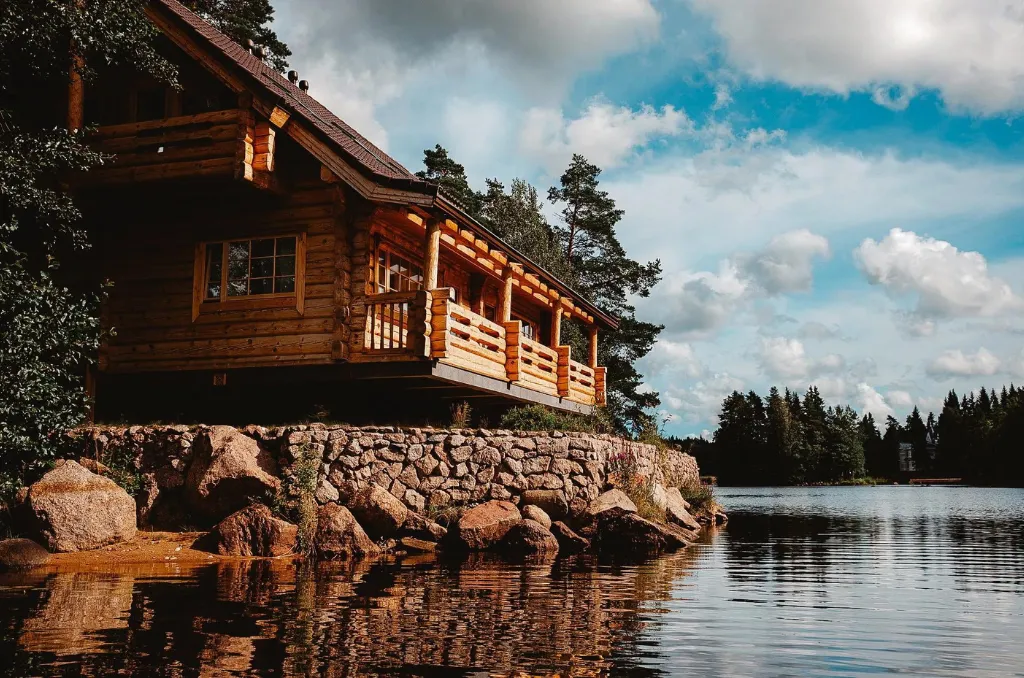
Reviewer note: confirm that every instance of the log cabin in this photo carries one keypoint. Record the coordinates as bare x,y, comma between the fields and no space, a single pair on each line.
262,253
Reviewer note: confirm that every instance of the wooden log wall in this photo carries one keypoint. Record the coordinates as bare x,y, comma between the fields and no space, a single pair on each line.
151,261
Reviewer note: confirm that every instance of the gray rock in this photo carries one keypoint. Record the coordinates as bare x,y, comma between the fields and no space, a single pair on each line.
255,531
228,471
21,554
552,502
74,509
338,535
528,538
612,499
378,511
483,526
537,514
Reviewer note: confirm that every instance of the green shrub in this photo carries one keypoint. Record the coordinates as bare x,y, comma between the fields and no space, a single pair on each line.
700,495
540,418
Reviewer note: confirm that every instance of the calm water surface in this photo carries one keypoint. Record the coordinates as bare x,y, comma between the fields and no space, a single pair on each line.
803,581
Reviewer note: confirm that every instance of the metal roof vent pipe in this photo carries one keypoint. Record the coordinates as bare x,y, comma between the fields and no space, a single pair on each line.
293,77
304,85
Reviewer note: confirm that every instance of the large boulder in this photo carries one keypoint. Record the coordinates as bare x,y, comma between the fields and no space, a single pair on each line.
21,554
622,533
568,541
676,508
73,509
528,538
483,526
536,513
228,471
379,512
552,502
255,531
338,535
612,499
425,529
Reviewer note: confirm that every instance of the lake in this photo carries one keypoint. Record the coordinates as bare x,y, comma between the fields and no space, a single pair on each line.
924,581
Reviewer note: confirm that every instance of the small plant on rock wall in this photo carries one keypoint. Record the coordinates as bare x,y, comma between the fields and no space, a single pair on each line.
296,500
461,413
625,473
540,418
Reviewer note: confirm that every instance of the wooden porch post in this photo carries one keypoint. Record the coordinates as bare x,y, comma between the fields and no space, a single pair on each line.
506,295
76,86
592,357
431,254
556,325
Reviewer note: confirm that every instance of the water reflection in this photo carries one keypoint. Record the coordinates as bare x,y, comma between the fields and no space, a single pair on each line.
803,582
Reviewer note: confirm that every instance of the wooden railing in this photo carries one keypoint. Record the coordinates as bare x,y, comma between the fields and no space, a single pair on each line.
394,322
466,339
582,383
539,369
422,324
206,144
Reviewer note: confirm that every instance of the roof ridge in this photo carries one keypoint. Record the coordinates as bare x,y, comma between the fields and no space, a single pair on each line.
322,117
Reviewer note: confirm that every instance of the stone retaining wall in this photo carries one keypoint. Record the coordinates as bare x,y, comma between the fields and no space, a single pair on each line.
425,468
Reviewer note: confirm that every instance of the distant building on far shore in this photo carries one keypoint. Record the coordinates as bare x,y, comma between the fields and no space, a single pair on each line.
907,463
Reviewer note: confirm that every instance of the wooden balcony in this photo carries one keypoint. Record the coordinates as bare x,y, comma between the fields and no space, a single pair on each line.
420,325
228,144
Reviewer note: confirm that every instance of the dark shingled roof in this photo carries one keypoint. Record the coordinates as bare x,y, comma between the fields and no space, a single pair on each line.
371,159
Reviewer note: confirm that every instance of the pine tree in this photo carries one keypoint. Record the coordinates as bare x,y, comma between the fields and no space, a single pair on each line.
516,218
245,20
451,177
608,277
891,447
781,442
871,441
916,433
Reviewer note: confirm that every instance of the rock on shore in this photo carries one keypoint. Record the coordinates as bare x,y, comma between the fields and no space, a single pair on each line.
255,531
483,526
228,471
73,509
338,535
21,554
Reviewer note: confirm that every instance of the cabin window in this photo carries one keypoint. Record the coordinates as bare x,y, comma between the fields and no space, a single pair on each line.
237,272
490,312
396,273
529,329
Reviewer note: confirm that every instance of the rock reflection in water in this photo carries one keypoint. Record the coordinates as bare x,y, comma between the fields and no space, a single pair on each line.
567,617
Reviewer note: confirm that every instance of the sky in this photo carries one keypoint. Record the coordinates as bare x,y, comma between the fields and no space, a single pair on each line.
835,189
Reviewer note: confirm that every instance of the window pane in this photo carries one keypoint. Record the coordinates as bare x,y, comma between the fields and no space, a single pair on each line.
261,286
262,268
214,266
285,246
285,266
238,288
238,260
263,248
286,284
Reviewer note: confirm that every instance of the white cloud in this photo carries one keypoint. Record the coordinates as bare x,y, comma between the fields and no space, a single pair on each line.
702,400
723,97
674,358
820,331
870,400
956,363
948,283
695,304
607,135
787,360
681,207
783,358
900,398
786,264
971,51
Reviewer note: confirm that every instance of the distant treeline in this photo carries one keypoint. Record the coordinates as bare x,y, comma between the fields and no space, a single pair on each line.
786,440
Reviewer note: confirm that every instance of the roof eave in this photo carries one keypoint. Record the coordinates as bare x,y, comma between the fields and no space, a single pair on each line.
446,204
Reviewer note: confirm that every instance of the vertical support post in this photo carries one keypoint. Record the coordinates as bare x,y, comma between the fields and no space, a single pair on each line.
556,325
592,357
431,253
439,322
600,385
564,357
513,362
506,295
